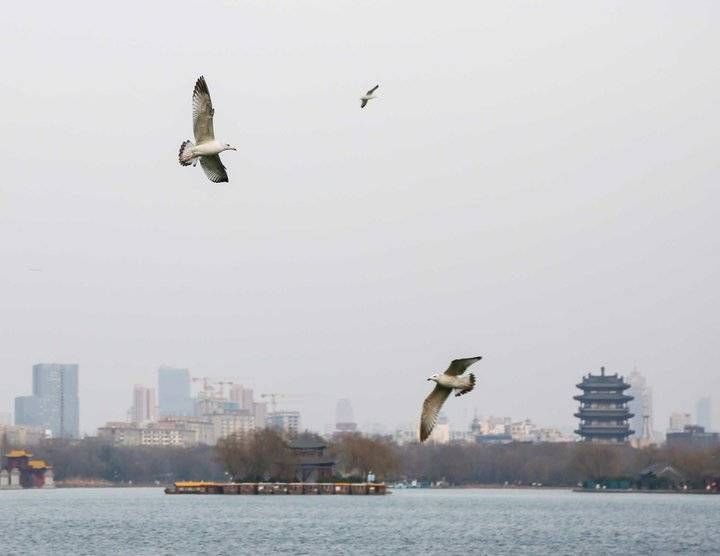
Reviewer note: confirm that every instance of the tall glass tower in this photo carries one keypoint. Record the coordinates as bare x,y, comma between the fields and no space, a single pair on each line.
703,413
174,392
55,386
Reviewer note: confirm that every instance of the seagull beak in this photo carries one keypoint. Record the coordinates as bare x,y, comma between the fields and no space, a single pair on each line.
429,378
233,148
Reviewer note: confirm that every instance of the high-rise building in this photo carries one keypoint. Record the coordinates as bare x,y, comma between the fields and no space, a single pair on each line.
703,413
143,407
242,396
288,421
678,421
55,404
27,411
260,412
641,407
344,418
236,394
174,392
57,387
603,411
248,400
239,422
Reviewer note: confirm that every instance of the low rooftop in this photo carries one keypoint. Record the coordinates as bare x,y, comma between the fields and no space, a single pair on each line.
307,444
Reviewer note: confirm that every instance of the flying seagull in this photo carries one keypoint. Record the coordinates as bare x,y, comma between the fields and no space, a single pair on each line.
445,383
368,96
206,148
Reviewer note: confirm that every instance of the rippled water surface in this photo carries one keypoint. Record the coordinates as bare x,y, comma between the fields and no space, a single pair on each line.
146,521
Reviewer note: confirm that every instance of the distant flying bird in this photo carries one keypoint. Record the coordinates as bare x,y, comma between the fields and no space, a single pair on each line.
445,383
368,96
206,148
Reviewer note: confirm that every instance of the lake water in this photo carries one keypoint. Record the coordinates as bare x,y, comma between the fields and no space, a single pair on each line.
146,521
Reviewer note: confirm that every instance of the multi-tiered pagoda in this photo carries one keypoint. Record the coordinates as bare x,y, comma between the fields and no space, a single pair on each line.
603,411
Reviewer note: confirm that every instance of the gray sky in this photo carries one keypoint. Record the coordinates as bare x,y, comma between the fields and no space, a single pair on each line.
537,184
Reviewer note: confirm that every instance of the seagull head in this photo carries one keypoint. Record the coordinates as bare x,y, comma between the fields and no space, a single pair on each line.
229,147
434,377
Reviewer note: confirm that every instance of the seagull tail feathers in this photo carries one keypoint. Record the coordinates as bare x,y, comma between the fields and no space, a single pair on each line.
185,156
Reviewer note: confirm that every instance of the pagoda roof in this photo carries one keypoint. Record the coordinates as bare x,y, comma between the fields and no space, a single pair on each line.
615,383
594,430
602,378
602,413
18,454
37,464
603,396
597,410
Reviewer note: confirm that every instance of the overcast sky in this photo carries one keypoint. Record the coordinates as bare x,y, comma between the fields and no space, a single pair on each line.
537,184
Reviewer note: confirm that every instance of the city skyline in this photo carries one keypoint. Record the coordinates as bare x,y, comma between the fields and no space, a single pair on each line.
319,419
243,395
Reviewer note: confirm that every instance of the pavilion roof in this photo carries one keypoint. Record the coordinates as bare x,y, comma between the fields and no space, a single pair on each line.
307,444
37,464
18,454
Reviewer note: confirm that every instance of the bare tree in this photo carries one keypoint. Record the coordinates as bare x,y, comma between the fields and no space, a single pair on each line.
357,455
597,461
257,455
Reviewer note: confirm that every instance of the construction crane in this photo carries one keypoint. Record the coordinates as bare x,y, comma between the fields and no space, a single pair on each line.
222,384
206,387
214,386
273,399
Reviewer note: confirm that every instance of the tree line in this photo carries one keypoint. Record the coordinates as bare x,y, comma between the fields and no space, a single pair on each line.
94,459
265,455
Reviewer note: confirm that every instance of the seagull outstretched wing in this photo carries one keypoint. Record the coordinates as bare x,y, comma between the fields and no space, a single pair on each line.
363,102
371,91
431,409
459,366
213,168
202,113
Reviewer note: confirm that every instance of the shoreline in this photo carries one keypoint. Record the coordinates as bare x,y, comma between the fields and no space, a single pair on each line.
645,491
95,484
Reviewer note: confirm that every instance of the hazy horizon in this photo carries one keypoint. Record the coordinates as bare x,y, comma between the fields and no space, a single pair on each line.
537,184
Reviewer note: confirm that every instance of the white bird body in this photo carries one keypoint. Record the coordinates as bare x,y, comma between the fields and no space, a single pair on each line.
210,148
206,148
452,382
445,383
